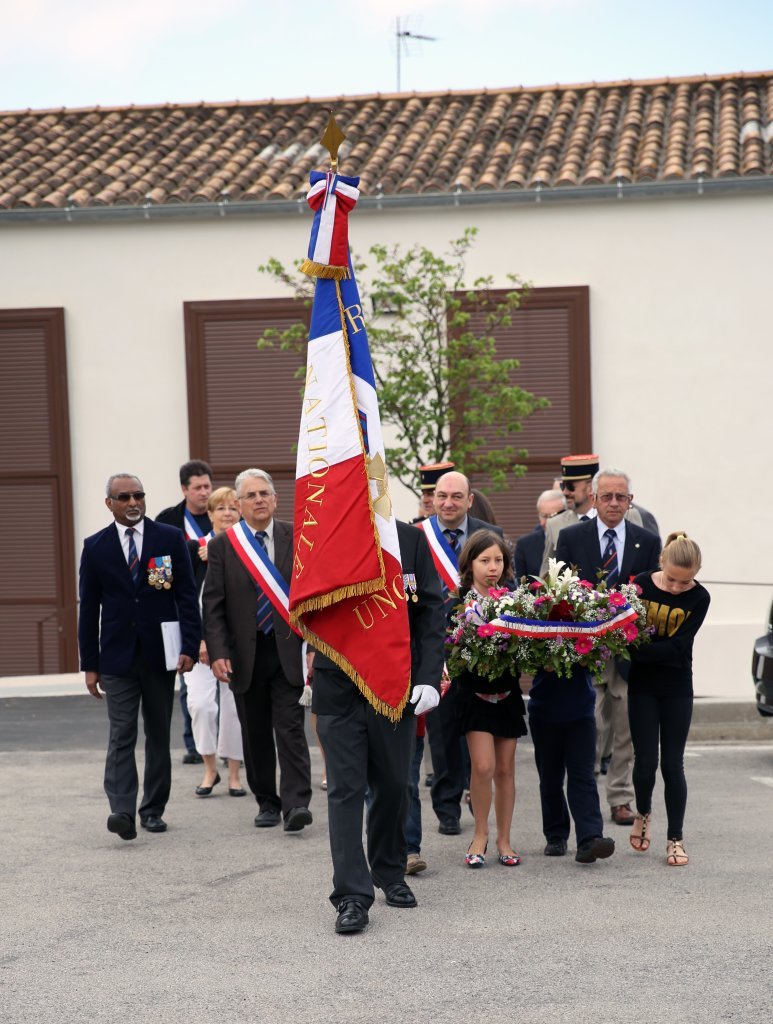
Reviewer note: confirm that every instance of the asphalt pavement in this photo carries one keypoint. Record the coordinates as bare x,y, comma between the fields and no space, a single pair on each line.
218,921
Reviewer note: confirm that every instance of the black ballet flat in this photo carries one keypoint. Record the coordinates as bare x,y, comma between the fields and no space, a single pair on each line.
207,790
236,792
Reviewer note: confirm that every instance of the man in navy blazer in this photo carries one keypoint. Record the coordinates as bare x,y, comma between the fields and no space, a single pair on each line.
135,575
635,550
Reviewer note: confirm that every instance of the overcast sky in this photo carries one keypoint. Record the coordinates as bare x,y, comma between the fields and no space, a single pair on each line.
78,53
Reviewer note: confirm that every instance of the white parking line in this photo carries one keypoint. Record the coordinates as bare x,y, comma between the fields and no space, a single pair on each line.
733,748
766,780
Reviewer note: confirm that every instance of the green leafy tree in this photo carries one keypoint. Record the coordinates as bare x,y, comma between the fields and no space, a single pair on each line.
438,379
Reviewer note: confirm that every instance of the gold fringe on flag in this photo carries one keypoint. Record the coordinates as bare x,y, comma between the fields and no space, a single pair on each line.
314,269
379,705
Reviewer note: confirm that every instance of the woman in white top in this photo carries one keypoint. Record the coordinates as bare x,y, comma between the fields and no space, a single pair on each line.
213,742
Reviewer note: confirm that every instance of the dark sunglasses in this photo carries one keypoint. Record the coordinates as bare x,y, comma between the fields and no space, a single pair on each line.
126,495
567,485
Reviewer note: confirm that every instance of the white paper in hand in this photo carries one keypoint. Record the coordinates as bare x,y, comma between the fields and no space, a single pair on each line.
173,644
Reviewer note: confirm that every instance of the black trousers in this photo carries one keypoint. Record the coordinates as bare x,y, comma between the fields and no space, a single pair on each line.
272,724
364,750
567,749
153,692
446,744
667,720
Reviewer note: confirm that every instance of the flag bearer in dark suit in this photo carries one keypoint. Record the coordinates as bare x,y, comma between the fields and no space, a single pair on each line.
261,657
364,750
620,550
134,575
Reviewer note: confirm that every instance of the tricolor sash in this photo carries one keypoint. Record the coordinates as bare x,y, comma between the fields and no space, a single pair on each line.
260,568
192,529
443,555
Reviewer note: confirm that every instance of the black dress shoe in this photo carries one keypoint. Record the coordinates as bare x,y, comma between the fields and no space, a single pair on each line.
122,825
450,827
153,823
555,848
297,818
267,818
595,849
398,894
193,758
207,790
236,792
352,917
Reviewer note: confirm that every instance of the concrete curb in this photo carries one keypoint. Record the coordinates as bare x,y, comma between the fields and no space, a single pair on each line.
715,719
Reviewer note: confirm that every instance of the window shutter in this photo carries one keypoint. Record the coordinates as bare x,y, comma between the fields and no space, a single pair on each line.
244,403
37,601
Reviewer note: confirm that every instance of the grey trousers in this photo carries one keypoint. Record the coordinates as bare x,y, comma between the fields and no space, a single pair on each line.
612,714
153,693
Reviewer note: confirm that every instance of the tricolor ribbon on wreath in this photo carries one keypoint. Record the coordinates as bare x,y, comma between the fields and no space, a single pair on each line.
539,629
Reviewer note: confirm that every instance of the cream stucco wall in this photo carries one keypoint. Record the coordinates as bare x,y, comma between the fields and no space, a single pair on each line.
681,351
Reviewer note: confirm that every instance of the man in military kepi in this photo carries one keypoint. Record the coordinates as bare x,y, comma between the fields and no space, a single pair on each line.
428,477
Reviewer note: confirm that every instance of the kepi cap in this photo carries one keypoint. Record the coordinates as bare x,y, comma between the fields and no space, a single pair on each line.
432,472
579,467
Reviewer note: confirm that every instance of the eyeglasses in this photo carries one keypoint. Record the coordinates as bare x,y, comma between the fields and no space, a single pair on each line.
621,499
128,495
252,495
567,485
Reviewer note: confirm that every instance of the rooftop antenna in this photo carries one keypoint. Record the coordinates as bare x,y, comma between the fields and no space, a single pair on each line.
402,35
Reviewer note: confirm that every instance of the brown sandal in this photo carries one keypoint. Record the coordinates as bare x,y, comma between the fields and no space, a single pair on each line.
675,855
640,841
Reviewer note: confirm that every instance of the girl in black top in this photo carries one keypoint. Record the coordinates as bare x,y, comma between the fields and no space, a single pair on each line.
492,713
660,693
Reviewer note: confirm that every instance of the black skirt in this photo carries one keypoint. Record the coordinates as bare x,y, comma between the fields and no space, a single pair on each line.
505,719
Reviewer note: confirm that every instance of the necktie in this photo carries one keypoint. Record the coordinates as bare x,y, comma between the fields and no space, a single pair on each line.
452,536
584,519
609,559
265,612
134,559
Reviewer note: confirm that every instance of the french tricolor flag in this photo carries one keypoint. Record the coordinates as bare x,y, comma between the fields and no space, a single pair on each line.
346,592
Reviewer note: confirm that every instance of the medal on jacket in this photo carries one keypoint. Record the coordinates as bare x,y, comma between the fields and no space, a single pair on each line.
160,572
410,586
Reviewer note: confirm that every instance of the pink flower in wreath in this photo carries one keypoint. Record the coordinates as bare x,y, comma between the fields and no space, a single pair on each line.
586,584
616,599
540,600
497,592
583,645
536,585
630,632
486,629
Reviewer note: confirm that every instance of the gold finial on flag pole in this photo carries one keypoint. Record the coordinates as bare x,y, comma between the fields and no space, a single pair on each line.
332,140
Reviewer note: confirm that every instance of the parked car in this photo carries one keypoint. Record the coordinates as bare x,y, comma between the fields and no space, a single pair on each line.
762,669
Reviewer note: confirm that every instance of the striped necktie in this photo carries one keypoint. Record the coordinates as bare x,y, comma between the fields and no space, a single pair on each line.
452,536
609,559
134,558
265,611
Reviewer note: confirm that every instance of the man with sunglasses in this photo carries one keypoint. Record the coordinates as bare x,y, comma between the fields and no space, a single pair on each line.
136,575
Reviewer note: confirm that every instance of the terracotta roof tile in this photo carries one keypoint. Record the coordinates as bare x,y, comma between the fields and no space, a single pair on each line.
560,136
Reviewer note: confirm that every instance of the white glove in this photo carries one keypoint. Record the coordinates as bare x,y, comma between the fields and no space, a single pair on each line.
425,698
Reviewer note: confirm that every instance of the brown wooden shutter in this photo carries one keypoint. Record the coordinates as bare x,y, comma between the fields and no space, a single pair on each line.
244,404
37,598
550,335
